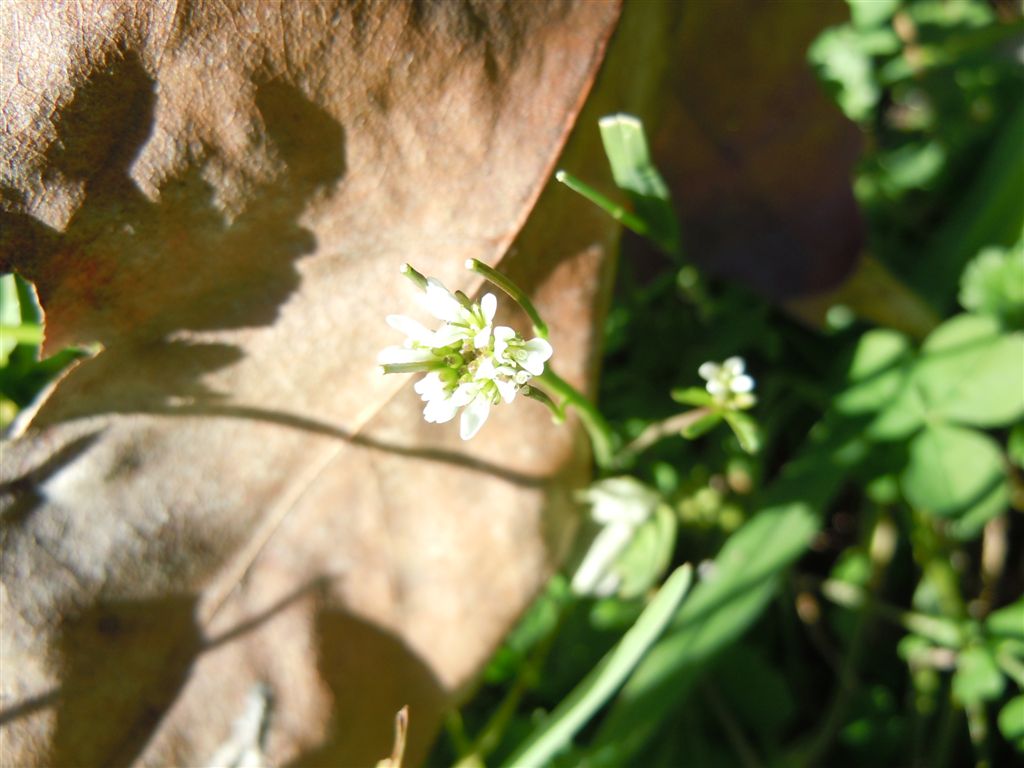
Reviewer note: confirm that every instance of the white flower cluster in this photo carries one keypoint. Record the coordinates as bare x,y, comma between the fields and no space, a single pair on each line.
728,384
471,363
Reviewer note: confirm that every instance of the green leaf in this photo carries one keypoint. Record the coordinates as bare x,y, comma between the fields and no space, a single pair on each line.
626,146
1015,445
977,677
1007,622
718,611
971,522
913,166
988,212
866,14
846,69
648,554
558,729
993,284
10,316
876,374
756,689
1011,722
702,425
972,373
692,396
745,429
904,416
950,469
630,160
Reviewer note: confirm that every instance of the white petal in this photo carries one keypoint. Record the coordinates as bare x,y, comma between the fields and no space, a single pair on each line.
709,370
483,339
488,305
411,328
429,387
742,384
440,302
485,370
734,365
439,410
399,355
502,335
473,417
464,394
716,387
538,352
607,546
507,389
447,335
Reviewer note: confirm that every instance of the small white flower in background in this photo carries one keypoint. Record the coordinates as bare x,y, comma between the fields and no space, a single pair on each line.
728,384
620,505
470,363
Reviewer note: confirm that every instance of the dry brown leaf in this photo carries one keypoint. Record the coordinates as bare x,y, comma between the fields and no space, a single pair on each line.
230,495
758,158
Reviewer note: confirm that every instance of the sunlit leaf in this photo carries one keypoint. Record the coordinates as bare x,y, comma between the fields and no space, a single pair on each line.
951,468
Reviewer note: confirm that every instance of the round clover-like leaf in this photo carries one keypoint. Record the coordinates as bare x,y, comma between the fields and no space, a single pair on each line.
876,372
972,373
950,469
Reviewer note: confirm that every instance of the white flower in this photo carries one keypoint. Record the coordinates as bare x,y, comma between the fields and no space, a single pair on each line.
620,505
728,384
528,355
471,364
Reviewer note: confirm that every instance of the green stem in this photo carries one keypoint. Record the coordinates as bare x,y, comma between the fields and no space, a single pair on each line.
602,438
514,291
613,209
939,630
658,431
25,333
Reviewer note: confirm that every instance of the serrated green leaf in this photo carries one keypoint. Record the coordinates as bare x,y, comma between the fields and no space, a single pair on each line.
950,469
977,677
1011,722
971,372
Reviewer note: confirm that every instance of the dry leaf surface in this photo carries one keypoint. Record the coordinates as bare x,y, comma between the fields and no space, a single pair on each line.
229,498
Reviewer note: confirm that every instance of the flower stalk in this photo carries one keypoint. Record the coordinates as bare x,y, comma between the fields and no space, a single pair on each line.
514,292
602,438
